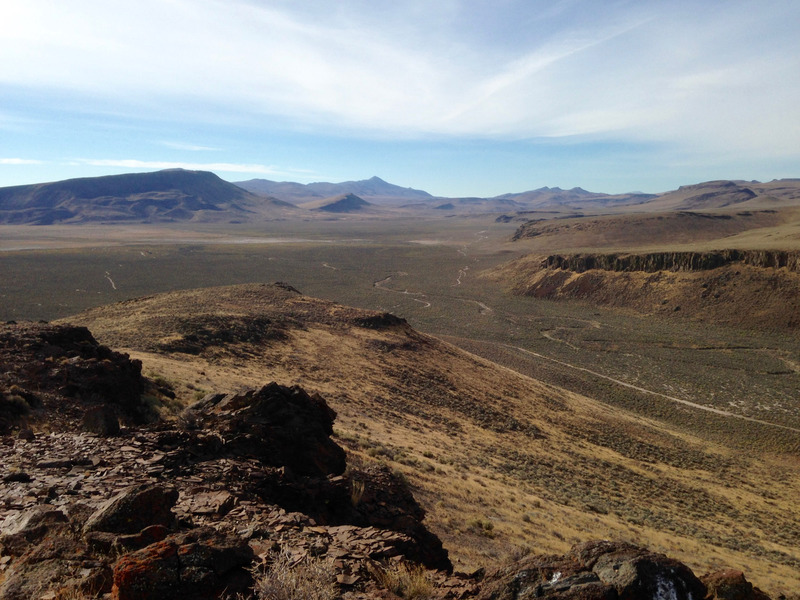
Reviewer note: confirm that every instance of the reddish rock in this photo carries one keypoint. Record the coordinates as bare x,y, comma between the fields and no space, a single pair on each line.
199,564
730,585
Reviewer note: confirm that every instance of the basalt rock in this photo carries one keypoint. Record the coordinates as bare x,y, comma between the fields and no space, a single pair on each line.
134,509
57,372
280,426
595,570
673,261
200,564
730,585
374,497
44,549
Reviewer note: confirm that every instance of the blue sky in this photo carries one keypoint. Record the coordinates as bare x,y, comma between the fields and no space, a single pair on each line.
457,97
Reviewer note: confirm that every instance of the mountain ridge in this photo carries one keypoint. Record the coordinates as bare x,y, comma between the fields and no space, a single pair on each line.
160,196
178,195
372,188
343,203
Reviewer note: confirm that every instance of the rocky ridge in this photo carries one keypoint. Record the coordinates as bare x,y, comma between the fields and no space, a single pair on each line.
674,261
186,509
743,288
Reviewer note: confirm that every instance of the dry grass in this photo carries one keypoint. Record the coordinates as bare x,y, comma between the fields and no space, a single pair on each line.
411,582
286,579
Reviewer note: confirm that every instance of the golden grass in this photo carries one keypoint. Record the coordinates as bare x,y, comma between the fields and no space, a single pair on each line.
407,581
285,579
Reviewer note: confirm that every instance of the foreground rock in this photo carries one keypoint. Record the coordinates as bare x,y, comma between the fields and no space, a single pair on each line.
610,571
199,564
56,373
158,511
134,509
282,427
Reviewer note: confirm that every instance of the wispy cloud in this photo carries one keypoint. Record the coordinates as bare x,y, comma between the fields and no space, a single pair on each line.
217,167
188,147
348,65
19,161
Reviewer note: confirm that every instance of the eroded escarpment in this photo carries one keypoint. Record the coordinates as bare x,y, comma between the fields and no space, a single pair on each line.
742,288
653,262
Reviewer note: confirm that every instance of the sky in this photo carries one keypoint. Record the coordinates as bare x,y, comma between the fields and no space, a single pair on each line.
456,97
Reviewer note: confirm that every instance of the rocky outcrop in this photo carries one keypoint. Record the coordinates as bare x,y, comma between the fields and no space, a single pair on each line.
192,509
58,372
179,510
133,509
370,498
745,289
731,585
603,570
278,425
673,261
199,564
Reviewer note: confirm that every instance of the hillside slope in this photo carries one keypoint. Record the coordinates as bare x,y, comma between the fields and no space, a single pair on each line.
343,203
498,459
642,230
243,495
742,195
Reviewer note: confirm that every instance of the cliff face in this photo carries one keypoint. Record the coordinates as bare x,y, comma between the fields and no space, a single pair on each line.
674,261
743,288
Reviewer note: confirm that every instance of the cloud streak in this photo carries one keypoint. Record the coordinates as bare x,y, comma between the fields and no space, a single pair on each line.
224,167
188,147
19,161
335,67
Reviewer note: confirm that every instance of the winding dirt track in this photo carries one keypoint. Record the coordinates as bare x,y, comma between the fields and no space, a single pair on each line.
484,309
710,409
381,286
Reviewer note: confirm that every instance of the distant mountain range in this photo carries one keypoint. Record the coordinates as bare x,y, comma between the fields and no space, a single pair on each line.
178,195
375,189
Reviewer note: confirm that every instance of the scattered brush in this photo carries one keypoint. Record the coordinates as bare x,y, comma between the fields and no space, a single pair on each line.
407,581
285,579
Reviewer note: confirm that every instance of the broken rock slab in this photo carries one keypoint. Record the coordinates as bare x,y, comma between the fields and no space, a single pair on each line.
134,509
